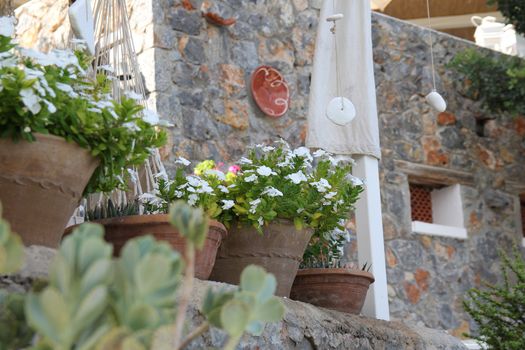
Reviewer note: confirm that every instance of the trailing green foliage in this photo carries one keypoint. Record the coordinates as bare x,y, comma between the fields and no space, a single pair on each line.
498,82
11,248
499,310
514,12
52,94
94,301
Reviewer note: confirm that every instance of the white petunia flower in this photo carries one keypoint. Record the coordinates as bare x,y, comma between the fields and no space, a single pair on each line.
253,205
320,153
50,107
297,177
245,160
260,221
7,26
265,171
322,185
183,161
330,195
272,192
354,180
224,189
251,178
227,204
217,173
192,199
150,117
27,129
67,89
30,100
268,149
303,152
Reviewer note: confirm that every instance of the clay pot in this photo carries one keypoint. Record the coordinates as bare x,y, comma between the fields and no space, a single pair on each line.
337,289
279,250
41,184
121,229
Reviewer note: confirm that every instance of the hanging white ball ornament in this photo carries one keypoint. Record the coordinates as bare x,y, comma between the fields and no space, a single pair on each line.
340,111
436,101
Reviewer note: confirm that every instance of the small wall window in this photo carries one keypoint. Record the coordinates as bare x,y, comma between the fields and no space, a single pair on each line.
522,208
437,211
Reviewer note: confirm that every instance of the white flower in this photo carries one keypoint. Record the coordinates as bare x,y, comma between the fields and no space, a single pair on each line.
297,177
322,185
260,221
27,129
227,204
251,178
217,173
205,188
193,181
283,142
7,26
50,107
94,110
354,180
320,153
303,152
272,192
300,210
244,160
107,68
150,117
149,198
178,194
183,161
330,195
30,100
253,205
131,126
268,149
133,95
224,189
265,171
133,175
192,199
67,89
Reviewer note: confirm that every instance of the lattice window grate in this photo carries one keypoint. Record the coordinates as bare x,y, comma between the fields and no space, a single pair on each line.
421,203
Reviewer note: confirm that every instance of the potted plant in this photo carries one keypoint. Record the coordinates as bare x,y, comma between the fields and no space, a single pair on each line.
279,198
201,188
61,137
326,282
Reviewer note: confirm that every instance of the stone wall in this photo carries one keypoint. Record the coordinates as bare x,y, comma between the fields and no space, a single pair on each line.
198,76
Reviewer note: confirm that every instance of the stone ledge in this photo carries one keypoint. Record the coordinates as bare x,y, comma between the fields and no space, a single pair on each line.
304,326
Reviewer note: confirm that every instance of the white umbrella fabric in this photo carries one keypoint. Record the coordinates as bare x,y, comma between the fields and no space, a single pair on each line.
359,138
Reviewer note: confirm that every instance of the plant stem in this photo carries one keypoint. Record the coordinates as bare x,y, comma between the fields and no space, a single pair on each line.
197,332
185,295
232,343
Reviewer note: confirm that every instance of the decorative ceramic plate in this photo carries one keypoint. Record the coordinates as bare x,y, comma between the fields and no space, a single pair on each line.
270,91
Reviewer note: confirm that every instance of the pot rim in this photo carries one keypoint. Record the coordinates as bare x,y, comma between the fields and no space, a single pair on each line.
336,271
145,219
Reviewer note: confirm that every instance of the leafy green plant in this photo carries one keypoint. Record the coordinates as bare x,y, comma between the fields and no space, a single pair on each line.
52,94
276,182
514,12
498,82
499,310
110,210
11,248
93,301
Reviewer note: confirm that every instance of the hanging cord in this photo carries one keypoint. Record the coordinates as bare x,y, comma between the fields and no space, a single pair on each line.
338,80
431,46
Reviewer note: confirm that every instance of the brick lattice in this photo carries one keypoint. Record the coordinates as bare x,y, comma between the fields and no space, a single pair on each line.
421,203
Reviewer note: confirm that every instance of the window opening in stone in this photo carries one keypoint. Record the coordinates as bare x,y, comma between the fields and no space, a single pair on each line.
480,127
421,202
522,202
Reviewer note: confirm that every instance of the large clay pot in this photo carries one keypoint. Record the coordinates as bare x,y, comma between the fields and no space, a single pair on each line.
337,289
41,184
121,229
279,250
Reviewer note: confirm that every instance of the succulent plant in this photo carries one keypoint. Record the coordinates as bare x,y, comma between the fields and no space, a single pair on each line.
11,248
93,301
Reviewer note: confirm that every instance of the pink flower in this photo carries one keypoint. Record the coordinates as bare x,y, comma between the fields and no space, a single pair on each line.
234,169
219,166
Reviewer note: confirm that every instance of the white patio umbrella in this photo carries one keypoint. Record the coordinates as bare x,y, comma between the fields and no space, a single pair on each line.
351,75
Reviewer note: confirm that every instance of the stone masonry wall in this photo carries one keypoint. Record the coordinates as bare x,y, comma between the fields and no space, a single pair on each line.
198,76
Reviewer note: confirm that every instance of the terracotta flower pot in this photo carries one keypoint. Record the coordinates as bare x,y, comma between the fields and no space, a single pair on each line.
41,184
121,229
279,250
337,289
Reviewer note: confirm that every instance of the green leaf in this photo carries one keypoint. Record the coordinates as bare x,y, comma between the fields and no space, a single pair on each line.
234,317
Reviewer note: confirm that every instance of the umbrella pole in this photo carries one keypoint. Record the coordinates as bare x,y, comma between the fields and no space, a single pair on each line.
370,241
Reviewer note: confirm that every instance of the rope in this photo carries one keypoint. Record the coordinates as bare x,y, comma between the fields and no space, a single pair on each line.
338,79
431,46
